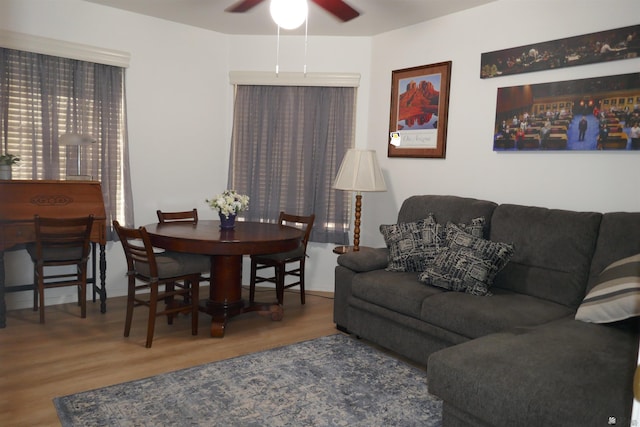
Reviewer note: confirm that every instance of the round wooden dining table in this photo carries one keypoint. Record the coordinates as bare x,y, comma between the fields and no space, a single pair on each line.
226,248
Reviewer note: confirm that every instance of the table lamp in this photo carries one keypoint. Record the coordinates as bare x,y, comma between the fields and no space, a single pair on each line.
358,172
78,140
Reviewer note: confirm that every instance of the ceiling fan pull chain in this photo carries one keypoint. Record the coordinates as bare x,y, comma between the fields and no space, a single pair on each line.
306,42
278,52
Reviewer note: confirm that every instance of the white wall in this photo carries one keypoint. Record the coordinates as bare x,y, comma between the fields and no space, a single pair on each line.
178,115
582,181
179,110
180,104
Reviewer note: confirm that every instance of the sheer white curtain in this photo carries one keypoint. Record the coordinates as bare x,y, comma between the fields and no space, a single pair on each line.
43,97
287,145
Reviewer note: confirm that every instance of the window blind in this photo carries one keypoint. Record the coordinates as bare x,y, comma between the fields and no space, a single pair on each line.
42,97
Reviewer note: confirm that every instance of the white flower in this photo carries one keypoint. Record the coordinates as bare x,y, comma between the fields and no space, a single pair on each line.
229,202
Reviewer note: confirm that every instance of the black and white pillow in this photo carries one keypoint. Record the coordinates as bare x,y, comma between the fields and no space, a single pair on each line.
475,227
414,246
411,244
467,263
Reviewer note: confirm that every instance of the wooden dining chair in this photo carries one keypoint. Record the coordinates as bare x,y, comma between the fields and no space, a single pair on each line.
60,242
155,276
188,217
279,261
185,216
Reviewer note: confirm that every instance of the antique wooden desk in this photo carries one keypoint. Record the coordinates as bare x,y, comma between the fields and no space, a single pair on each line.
226,248
20,200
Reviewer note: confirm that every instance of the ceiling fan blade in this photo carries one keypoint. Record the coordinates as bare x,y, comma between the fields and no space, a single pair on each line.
242,6
338,8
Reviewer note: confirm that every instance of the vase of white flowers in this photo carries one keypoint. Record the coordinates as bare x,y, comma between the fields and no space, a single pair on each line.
228,204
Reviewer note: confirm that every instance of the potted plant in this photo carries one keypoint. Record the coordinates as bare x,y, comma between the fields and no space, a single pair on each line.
6,162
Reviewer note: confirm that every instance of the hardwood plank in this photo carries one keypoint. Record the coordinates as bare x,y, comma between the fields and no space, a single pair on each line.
69,354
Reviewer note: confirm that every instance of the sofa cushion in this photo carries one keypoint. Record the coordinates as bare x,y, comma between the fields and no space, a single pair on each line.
565,373
616,296
411,244
554,250
467,263
459,210
397,291
366,259
472,316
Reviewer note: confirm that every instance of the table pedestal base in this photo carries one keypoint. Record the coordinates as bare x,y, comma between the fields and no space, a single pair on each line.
225,295
219,315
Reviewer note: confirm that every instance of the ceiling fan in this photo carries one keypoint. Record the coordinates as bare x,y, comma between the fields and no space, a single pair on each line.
338,8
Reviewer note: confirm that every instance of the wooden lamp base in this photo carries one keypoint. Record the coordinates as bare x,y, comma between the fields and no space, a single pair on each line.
356,230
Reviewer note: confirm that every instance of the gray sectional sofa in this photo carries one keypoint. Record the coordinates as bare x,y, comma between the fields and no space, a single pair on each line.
516,357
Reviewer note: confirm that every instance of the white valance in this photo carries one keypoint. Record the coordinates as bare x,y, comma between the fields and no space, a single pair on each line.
47,46
264,78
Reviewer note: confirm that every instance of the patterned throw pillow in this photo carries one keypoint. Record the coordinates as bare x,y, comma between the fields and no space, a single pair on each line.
616,296
475,228
411,244
468,263
414,246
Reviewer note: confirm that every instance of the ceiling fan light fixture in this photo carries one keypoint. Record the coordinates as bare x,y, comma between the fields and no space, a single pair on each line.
289,14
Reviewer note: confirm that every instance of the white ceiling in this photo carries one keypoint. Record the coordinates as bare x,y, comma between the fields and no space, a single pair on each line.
376,16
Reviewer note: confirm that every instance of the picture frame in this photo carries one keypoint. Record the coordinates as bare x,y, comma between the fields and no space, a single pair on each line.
604,46
592,115
419,111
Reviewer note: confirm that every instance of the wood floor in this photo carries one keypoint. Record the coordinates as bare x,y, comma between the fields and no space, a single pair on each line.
68,354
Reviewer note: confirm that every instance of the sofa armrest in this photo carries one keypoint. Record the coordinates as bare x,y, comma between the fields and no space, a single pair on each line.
366,259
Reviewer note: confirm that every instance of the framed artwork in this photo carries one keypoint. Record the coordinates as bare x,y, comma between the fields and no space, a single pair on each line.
419,109
591,115
603,46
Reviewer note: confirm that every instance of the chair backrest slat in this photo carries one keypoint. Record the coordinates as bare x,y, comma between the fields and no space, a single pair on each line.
184,216
137,248
305,223
58,234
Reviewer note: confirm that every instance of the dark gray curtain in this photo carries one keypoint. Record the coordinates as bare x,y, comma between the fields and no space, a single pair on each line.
43,97
287,145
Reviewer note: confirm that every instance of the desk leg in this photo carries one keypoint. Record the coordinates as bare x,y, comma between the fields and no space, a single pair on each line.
103,277
93,270
3,306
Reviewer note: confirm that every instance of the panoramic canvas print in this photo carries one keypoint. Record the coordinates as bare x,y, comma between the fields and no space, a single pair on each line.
601,113
610,45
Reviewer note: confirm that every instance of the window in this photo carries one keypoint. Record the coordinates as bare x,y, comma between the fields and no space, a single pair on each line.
43,97
287,145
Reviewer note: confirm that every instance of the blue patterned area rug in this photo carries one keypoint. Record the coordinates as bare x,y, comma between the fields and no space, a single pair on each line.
330,381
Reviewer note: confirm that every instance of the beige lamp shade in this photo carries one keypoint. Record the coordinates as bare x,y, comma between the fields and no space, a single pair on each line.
360,171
